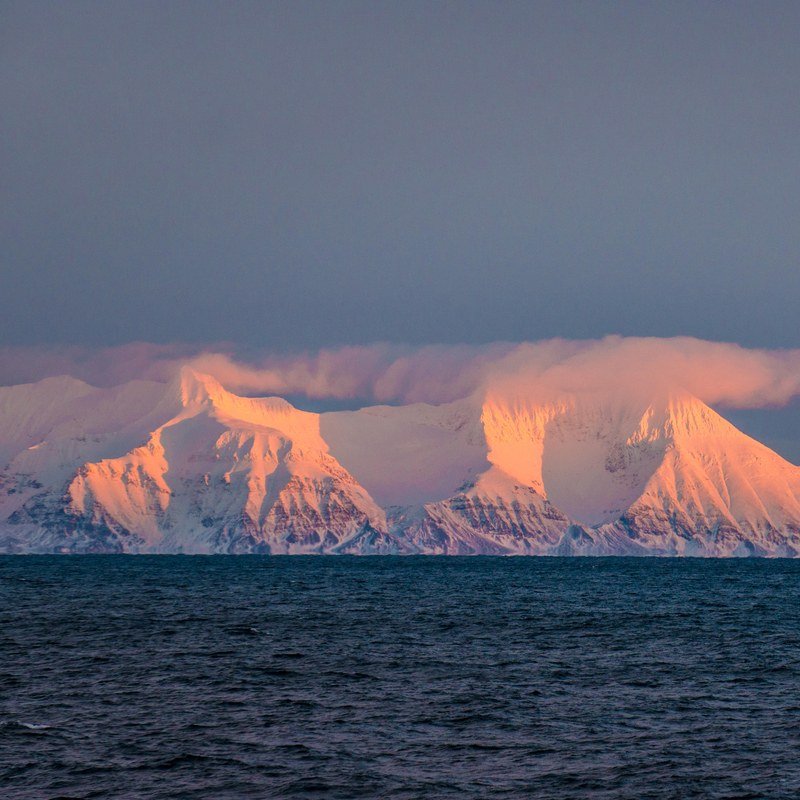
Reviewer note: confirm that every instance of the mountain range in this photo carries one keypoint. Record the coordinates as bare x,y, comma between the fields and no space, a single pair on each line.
189,467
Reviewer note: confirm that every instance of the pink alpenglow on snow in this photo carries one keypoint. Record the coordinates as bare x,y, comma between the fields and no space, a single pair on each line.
551,448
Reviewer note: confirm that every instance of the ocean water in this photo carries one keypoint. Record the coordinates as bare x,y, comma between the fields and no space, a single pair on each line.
334,677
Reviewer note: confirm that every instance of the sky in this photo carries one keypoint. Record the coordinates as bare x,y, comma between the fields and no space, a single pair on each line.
297,175
286,178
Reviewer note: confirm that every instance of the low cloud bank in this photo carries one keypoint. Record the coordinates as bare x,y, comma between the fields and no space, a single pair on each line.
718,373
100,366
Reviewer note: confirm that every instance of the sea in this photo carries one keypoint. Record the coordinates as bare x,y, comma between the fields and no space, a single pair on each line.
411,677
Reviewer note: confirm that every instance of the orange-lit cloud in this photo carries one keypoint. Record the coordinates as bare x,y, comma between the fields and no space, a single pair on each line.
718,373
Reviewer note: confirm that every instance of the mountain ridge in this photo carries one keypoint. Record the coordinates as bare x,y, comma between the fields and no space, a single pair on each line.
189,466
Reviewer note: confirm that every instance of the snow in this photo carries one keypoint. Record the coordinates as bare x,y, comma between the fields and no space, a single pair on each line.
598,457
408,455
191,467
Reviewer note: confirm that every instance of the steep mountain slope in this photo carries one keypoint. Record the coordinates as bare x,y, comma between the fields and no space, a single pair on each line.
715,492
219,473
48,431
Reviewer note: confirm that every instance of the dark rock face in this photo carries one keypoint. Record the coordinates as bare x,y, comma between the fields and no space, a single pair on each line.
320,516
46,524
474,523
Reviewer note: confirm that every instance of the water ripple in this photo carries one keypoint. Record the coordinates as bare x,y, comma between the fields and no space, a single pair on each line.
257,677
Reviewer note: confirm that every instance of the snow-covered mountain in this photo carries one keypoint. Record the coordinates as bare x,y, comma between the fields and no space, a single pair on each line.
190,467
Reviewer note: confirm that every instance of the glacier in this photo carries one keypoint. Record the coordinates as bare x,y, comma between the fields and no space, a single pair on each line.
190,467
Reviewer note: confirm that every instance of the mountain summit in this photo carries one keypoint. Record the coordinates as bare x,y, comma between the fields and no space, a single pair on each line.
191,467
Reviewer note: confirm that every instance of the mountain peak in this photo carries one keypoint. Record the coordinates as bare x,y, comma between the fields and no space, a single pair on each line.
687,415
197,388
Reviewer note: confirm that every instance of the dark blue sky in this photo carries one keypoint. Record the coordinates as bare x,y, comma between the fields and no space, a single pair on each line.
292,175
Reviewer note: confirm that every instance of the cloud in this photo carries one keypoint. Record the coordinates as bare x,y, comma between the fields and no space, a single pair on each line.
380,372
718,373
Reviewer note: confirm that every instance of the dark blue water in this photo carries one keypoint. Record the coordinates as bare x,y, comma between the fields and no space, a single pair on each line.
240,677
